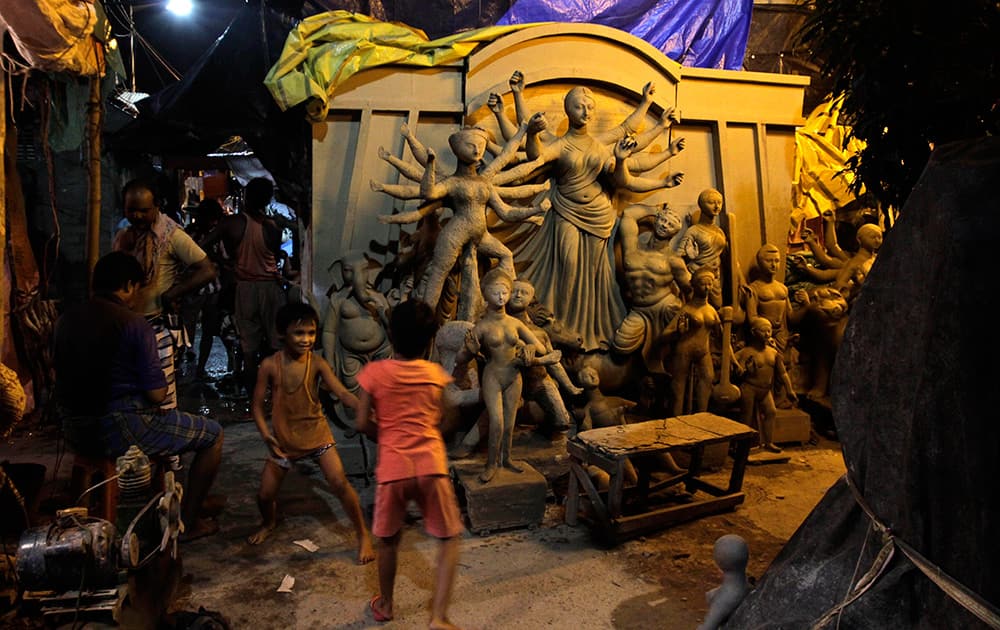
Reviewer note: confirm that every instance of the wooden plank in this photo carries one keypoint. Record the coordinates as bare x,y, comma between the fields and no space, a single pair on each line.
630,526
573,494
694,484
615,489
597,504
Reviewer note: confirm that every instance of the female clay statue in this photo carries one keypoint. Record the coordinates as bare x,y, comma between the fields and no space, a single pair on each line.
704,242
692,330
468,192
567,258
507,345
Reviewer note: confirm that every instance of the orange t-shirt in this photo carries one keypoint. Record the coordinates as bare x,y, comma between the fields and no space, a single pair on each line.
406,397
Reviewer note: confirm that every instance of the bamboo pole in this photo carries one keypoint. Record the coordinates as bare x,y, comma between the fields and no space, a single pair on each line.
94,112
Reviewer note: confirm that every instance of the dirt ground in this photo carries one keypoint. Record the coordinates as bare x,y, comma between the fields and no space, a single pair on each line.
549,576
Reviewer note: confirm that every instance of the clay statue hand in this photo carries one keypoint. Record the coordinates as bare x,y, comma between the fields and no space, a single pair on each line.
828,216
683,324
808,236
386,219
471,343
382,153
798,263
524,355
669,117
677,146
674,180
404,129
647,91
625,147
431,158
537,123
376,186
516,81
495,103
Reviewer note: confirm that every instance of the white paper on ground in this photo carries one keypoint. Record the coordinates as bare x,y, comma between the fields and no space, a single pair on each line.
287,583
306,544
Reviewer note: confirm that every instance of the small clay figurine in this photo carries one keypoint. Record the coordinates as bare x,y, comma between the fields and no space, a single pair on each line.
761,365
600,410
731,555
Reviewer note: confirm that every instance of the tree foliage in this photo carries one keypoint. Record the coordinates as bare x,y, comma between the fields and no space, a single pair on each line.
914,74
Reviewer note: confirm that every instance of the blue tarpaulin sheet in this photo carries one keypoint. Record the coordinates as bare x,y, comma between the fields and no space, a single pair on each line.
694,33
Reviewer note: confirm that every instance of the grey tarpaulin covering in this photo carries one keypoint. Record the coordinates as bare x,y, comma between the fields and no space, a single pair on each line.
915,402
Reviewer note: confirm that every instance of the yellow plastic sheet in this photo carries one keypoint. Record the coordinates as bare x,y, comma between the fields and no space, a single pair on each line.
328,48
821,181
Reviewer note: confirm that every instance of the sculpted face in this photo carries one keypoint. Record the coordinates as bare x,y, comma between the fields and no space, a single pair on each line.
587,377
761,328
521,296
579,105
769,259
496,293
140,208
702,283
710,201
667,224
870,237
468,145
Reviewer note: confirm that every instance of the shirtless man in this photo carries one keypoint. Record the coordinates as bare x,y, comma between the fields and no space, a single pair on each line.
655,275
540,381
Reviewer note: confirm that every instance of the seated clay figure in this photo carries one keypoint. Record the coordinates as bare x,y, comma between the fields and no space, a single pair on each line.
761,367
354,329
731,555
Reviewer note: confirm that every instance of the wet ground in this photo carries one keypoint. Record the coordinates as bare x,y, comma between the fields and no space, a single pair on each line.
550,576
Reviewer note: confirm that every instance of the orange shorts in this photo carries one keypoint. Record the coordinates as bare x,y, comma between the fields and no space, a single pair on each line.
433,494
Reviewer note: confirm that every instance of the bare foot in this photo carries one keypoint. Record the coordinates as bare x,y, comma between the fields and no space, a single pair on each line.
511,466
366,553
261,534
200,528
442,624
488,474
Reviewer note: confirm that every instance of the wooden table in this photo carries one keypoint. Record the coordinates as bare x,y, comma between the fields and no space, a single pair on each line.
609,449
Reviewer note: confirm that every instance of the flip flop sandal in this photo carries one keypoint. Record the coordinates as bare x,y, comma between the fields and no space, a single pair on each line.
379,617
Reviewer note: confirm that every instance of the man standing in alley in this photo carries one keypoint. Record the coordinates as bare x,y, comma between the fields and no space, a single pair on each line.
173,265
256,240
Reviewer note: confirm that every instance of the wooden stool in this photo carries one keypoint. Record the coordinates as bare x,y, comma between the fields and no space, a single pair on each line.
88,471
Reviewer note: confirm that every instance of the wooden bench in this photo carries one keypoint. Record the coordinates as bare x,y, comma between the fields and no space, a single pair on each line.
610,448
